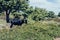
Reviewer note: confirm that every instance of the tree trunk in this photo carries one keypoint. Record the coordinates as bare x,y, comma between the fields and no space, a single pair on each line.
7,16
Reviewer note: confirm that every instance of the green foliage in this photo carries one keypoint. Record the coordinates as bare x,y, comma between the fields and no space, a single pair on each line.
59,14
38,14
51,14
34,31
29,10
17,14
13,5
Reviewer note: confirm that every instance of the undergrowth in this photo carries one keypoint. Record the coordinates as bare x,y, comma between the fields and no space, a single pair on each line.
34,31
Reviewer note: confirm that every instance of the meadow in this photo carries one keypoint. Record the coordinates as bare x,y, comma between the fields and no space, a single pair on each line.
40,30
36,23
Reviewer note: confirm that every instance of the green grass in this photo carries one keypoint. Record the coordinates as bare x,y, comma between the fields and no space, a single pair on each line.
32,31
2,21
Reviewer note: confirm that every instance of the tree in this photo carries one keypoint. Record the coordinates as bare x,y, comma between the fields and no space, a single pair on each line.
12,6
39,14
29,10
59,14
51,14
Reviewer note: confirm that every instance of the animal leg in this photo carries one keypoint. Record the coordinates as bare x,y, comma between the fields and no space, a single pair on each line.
11,25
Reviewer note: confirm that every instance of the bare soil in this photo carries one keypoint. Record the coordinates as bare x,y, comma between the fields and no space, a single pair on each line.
57,39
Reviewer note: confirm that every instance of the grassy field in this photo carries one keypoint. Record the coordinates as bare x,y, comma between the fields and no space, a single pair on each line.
43,30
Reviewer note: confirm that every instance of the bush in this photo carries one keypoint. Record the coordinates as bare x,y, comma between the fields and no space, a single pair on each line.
34,31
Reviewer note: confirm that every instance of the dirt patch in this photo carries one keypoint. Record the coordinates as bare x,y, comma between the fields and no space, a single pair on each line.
57,39
2,26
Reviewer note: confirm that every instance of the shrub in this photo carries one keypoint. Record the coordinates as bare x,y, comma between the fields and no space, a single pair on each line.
34,31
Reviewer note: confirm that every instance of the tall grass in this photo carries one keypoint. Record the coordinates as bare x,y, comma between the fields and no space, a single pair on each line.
34,31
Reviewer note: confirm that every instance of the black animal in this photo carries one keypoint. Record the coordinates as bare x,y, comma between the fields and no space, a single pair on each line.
17,21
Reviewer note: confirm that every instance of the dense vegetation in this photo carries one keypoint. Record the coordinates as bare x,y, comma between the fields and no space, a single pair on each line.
42,24
34,31
9,6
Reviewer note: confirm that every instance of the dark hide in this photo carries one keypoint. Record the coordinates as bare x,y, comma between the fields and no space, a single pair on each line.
18,22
